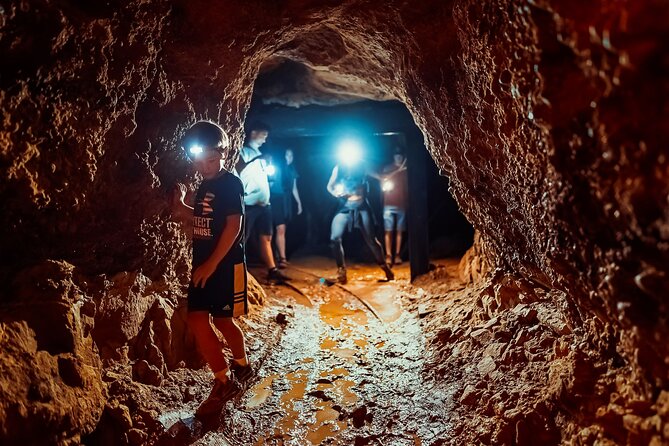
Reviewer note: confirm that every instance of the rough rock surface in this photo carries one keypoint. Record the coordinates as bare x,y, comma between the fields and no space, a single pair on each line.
52,389
547,117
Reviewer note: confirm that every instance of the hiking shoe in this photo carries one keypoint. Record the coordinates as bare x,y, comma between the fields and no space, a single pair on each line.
389,273
341,275
220,394
274,275
242,372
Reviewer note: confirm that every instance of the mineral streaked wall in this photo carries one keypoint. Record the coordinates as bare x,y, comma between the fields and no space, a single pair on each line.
546,116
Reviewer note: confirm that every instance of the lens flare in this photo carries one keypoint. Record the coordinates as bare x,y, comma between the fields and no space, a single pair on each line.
270,169
350,152
339,189
387,185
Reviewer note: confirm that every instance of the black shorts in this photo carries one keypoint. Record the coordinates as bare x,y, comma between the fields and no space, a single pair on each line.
260,218
224,295
278,210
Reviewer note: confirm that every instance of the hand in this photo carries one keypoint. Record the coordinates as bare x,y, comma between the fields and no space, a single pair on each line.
179,193
299,208
202,273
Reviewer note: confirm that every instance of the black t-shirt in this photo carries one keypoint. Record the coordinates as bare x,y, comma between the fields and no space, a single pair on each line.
289,177
215,200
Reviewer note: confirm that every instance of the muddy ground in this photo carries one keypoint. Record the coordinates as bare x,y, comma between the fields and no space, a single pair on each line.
436,362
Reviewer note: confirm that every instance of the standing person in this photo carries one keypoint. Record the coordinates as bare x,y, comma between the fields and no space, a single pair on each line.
217,289
349,185
283,189
394,185
252,168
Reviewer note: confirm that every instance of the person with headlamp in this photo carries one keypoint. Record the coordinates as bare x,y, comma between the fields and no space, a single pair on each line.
348,183
394,185
218,287
253,171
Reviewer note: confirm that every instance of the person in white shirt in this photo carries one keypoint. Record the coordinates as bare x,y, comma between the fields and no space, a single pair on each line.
252,169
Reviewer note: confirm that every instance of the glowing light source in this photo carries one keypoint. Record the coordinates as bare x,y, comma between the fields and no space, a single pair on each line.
270,169
339,189
196,149
349,152
387,186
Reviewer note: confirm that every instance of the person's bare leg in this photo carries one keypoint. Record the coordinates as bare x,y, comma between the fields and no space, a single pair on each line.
207,341
265,247
389,244
398,244
280,239
233,336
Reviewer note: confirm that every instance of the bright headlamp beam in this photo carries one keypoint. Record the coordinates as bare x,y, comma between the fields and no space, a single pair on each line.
270,169
195,149
349,152
387,185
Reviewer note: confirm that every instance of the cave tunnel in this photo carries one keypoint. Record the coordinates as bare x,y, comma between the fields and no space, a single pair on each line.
533,306
312,125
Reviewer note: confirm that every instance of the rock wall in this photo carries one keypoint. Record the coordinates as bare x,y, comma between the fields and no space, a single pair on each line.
547,117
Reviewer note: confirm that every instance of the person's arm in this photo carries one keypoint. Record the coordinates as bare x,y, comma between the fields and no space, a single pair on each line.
332,181
374,175
296,194
402,167
179,206
233,226
241,164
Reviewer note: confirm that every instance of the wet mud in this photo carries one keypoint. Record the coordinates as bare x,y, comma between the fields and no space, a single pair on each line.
347,370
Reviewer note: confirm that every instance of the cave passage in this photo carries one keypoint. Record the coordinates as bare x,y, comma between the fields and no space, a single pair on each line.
347,368
543,122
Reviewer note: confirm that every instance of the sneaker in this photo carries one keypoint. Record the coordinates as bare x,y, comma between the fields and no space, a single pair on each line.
242,372
274,275
341,275
220,394
389,273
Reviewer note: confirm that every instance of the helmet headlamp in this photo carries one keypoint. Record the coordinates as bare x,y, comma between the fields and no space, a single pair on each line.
195,149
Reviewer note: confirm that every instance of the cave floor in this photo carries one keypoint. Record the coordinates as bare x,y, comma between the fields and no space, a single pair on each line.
348,368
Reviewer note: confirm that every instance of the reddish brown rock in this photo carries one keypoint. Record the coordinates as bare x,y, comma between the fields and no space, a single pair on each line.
546,116
49,365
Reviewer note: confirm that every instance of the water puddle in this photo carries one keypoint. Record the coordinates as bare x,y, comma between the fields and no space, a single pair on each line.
337,311
261,391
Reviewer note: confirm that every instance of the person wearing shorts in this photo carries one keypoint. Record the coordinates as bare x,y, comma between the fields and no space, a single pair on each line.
252,168
218,290
394,184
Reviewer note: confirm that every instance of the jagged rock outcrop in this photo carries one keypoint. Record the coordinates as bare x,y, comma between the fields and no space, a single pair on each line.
547,117
52,389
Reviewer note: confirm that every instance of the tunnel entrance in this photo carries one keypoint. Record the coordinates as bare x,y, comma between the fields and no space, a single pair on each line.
312,125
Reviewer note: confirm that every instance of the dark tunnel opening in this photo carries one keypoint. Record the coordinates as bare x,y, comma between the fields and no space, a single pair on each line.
313,133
